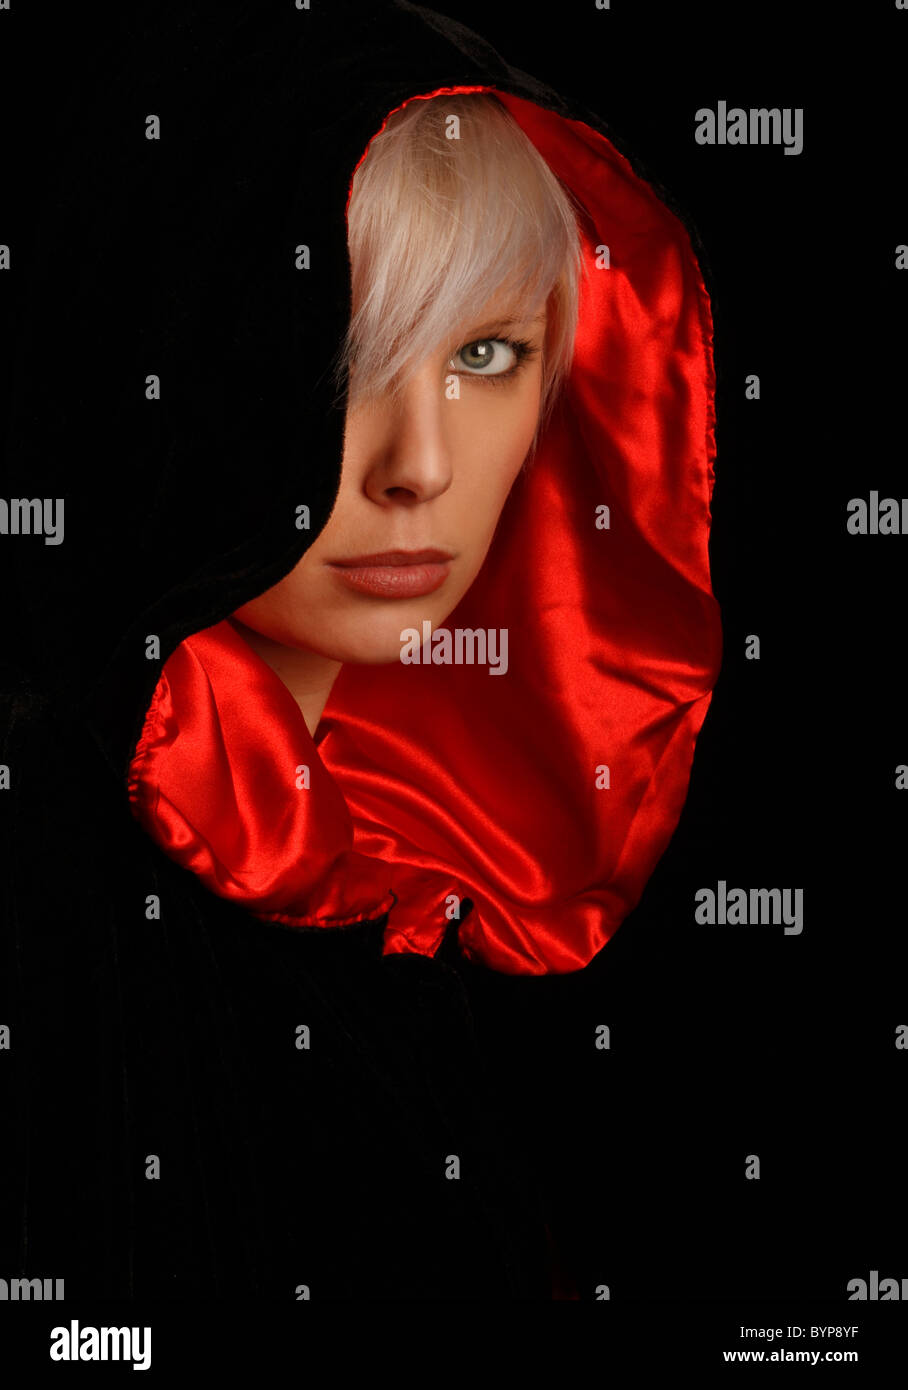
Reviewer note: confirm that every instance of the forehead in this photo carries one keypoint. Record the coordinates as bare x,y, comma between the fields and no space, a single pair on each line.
502,312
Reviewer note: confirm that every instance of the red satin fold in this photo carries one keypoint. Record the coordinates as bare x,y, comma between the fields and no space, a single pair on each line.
432,783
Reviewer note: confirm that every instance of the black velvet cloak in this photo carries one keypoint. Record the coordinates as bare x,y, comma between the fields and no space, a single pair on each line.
283,1173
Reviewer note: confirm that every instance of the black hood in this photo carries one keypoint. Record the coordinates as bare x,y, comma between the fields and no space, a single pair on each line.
176,257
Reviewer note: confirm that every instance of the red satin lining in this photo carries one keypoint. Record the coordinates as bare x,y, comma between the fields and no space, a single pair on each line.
217,773
429,783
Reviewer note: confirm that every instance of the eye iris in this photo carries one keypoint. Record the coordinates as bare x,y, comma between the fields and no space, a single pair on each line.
479,354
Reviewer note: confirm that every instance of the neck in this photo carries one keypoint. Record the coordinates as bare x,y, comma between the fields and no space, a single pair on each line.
307,675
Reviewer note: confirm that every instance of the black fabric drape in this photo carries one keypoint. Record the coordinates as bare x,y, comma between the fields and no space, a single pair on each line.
175,1036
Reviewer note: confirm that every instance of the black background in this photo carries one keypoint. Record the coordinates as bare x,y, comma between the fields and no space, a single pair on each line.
725,1041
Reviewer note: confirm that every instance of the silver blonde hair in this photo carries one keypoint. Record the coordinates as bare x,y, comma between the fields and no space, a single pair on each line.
438,227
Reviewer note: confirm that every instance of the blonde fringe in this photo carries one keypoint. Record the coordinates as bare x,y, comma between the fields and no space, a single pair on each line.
438,228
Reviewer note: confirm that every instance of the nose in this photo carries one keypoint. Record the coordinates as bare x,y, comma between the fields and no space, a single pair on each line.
404,441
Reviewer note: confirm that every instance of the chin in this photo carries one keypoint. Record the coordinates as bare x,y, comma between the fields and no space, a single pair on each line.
375,641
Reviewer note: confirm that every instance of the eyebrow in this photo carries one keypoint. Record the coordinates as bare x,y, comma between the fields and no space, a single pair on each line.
510,323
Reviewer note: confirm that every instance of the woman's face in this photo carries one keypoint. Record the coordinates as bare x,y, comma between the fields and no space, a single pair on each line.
430,471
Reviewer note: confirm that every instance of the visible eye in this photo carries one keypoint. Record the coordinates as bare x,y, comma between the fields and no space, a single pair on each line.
497,360
488,356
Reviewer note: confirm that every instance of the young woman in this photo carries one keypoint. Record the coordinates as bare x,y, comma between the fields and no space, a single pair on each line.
424,704
465,273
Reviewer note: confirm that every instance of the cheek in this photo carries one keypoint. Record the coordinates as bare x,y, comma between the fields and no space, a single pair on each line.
280,612
492,433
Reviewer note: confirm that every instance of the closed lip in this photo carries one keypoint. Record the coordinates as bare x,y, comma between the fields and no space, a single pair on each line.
394,557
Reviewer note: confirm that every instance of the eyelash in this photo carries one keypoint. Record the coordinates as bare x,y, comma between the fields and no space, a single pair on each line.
524,351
